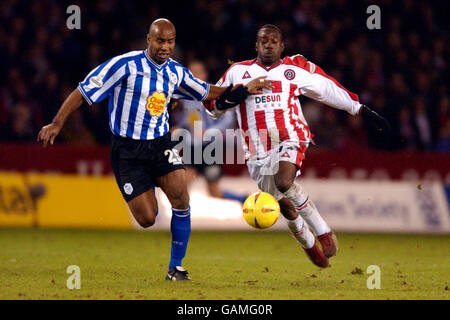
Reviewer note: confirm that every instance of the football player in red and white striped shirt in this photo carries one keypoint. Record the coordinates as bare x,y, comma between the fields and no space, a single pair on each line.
275,134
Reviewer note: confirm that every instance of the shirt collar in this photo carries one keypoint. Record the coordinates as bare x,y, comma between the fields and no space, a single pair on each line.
158,66
268,68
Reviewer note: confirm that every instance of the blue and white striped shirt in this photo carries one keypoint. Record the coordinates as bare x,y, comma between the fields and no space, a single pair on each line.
139,90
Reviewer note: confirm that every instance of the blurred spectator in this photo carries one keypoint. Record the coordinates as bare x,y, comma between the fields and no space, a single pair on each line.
423,124
75,131
406,128
443,143
401,70
20,126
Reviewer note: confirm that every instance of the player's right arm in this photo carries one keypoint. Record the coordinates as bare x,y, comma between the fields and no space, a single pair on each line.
97,85
49,132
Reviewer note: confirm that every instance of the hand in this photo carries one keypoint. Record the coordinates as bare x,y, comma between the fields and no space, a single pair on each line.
49,133
377,121
256,85
229,98
233,96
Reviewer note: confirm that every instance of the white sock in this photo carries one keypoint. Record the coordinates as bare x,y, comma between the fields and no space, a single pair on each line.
300,232
307,209
313,218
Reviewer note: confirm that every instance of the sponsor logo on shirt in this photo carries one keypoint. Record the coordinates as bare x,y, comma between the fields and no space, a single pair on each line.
268,98
156,103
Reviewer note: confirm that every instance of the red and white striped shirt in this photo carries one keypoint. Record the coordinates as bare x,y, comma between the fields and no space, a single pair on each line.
275,116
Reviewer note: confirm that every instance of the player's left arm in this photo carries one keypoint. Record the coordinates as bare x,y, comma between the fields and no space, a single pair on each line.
317,85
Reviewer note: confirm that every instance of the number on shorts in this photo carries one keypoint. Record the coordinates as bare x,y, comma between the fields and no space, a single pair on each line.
173,155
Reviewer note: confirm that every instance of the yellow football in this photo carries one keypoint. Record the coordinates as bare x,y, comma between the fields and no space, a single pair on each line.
261,210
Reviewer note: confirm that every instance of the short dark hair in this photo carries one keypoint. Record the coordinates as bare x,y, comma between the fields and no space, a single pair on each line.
272,26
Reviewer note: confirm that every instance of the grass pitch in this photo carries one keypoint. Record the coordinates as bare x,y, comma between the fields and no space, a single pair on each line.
223,265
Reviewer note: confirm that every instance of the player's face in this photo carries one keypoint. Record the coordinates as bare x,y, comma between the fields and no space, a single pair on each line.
269,46
161,44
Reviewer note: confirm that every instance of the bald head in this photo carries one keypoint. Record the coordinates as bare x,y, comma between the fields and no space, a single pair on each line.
161,26
161,40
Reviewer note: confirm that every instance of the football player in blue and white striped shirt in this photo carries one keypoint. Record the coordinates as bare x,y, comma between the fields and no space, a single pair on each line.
139,85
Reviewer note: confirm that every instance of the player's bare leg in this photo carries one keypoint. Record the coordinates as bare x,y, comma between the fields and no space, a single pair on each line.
175,187
144,208
285,182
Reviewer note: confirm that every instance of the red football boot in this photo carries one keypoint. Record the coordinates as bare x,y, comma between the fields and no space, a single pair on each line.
329,244
316,256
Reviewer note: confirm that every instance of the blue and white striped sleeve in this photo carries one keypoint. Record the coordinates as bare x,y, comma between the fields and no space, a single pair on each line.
101,81
191,88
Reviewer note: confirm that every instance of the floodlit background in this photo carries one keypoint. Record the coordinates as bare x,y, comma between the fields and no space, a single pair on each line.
359,181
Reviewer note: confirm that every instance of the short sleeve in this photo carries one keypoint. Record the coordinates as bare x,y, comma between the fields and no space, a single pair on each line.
191,88
101,81
225,80
210,106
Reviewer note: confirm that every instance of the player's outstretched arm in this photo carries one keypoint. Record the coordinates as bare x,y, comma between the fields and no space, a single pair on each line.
49,132
321,87
253,87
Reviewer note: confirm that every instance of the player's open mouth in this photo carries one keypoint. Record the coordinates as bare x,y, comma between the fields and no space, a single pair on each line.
164,55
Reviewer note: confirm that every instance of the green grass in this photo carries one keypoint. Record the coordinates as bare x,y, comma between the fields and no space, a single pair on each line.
223,265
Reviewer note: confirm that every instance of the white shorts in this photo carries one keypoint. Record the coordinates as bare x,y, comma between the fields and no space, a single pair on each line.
262,171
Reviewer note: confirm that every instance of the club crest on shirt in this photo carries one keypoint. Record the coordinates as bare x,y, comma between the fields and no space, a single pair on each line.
173,78
156,103
289,74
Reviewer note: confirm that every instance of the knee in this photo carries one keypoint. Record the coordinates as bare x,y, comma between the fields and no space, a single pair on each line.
282,183
146,222
145,217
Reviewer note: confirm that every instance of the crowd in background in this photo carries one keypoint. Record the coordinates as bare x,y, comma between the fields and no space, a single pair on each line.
400,70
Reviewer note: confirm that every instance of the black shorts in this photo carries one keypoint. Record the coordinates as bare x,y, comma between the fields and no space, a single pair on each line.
136,163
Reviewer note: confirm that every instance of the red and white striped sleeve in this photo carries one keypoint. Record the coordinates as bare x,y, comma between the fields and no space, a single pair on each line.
317,85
